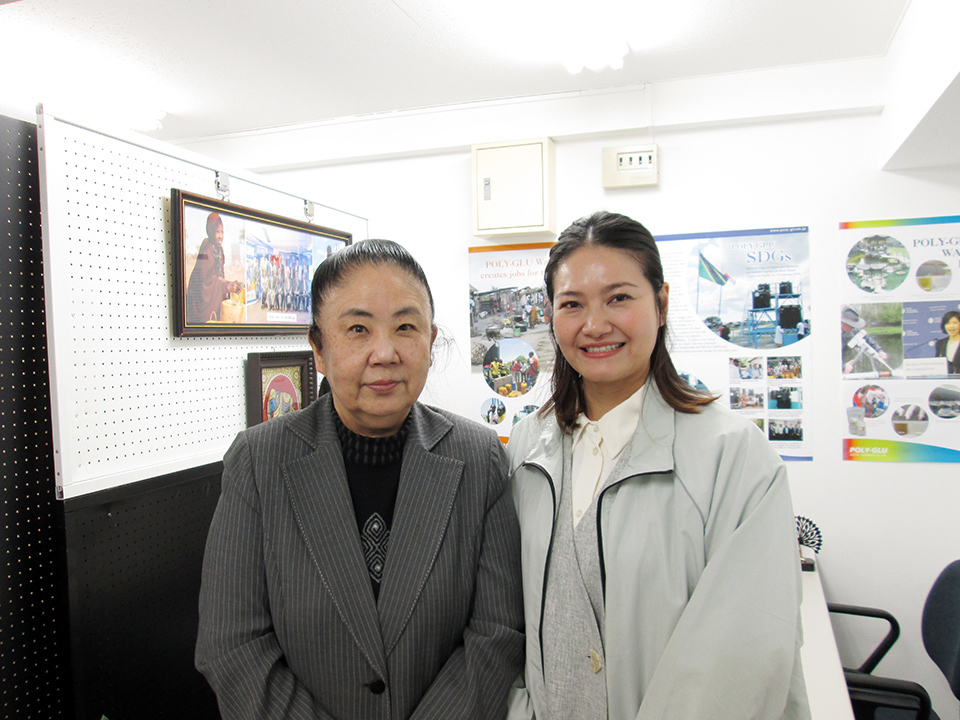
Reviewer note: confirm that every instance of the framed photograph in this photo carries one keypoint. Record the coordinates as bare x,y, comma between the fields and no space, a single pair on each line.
240,271
279,383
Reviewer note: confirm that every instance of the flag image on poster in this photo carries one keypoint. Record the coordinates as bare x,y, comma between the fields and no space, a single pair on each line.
709,272
900,339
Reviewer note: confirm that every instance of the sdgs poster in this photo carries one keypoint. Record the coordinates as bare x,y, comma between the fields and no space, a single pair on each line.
900,340
739,323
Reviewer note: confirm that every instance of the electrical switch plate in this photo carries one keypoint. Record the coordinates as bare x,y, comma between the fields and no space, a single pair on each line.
630,166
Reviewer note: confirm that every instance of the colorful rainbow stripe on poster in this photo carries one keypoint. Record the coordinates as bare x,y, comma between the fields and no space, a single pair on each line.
896,451
946,219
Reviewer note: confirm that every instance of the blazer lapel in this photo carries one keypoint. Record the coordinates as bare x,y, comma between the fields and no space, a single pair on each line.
320,498
428,486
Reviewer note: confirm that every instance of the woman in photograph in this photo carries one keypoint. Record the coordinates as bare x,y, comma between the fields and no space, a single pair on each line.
363,560
947,347
207,288
660,568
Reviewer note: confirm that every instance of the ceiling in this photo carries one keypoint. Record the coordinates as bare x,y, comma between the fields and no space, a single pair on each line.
223,66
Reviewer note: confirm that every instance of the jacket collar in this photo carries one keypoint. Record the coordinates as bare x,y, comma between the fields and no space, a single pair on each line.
317,485
651,448
315,426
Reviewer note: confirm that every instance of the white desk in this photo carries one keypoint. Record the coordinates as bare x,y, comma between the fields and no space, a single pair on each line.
826,688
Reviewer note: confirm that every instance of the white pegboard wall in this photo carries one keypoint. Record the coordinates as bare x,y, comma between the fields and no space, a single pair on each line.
130,401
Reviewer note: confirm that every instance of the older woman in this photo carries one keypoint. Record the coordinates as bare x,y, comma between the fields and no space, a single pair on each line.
660,568
363,561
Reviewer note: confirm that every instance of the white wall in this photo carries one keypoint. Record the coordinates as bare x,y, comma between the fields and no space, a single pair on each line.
888,528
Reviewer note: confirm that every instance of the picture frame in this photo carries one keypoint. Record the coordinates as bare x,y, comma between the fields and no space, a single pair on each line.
278,383
240,271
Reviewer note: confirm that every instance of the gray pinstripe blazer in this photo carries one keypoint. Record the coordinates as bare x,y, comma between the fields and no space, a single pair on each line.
288,623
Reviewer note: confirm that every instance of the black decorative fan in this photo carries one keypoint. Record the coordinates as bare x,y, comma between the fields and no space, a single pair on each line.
808,534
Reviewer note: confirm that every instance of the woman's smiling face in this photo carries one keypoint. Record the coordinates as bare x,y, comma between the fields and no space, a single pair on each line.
952,326
606,319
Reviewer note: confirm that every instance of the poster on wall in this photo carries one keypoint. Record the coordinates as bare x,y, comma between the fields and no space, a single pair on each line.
511,353
900,339
739,310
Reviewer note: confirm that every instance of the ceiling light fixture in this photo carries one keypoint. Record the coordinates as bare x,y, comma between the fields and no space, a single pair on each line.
596,56
594,36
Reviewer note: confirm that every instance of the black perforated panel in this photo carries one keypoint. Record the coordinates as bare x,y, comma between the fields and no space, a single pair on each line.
135,555
34,638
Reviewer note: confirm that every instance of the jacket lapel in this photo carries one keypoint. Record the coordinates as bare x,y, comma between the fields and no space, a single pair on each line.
548,451
428,487
651,449
320,497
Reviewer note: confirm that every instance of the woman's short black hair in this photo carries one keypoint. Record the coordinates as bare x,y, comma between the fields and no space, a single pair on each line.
335,269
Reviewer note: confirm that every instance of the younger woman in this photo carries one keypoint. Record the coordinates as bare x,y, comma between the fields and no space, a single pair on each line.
660,566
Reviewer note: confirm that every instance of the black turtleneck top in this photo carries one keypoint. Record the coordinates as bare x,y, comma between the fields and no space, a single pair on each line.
373,475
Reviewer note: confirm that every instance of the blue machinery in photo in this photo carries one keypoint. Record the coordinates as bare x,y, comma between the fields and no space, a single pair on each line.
767,311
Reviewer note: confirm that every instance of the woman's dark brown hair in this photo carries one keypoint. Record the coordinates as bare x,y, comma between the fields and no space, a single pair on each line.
611,230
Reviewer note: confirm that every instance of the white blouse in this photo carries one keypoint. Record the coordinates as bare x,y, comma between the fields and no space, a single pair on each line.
596,446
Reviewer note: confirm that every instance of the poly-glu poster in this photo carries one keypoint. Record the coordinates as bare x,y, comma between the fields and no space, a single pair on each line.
900,340
510,346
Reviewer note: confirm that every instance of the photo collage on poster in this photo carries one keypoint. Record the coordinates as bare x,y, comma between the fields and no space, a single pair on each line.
900,339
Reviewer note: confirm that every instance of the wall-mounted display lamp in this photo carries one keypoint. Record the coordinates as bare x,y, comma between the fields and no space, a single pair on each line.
223,186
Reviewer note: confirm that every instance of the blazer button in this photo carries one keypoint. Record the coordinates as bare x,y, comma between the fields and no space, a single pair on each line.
377,686
596,662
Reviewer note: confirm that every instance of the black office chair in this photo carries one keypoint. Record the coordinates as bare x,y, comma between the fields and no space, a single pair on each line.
880,698
941,625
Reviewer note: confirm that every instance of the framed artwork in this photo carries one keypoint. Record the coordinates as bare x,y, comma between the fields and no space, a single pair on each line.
240,271
279,383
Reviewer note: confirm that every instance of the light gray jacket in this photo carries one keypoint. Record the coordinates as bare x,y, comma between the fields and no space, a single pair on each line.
700,564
